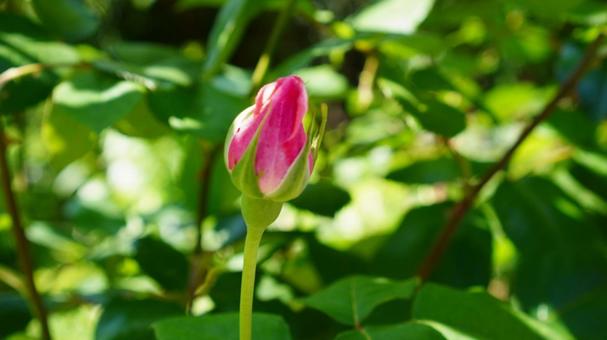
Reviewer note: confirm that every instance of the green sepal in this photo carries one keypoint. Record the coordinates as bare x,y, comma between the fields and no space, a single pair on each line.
259,212
296,178
298,174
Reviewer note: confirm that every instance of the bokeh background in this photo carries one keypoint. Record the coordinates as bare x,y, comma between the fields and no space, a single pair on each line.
114,114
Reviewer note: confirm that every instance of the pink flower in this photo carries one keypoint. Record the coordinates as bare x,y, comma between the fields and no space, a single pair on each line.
267,150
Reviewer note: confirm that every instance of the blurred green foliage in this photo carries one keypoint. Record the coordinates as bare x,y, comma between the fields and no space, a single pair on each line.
115,145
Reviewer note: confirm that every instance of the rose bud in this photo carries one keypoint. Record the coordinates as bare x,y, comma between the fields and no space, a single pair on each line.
267,150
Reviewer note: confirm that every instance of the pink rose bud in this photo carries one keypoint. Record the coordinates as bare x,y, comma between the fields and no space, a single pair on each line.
268,152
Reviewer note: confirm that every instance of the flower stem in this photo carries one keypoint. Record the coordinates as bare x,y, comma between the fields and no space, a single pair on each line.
258,214
247,287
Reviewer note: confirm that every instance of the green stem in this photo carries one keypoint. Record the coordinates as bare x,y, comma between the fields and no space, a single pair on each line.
266,57
258,214
247,287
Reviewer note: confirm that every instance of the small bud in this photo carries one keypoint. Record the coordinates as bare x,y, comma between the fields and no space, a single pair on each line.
268,152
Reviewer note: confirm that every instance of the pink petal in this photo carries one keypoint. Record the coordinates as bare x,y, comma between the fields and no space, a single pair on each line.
282,136
247,123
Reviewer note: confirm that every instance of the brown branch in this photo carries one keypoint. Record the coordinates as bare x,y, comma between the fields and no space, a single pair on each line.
461,162
461,208
23,251
196,273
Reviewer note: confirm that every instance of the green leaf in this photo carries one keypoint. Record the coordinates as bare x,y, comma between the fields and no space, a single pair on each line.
511,102
163,65
352,299
304,58
430,79
432,114
409,330
535,213
95,100
558,9
574,126
142,4
431,171
441,118
32,43
475,313
392,16
65,138
71,19
270,5
222,292
591,13
323,82
591,171
203,110
21,43
21,93
132,319
442,169
220,327
187,4
162,262
141,52
140,122
14,313
332,264
322,198
227,30
467,261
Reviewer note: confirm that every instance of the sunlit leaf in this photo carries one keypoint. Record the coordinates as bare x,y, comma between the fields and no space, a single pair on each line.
352,299
22,43
410,330
323,82
476,313
392,16
535,213
95,100
204,110
132,319
515,101
140,122
220,327
66,139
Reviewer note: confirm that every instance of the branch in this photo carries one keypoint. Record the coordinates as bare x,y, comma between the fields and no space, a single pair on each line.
23,251
17,72
196,274
461,208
